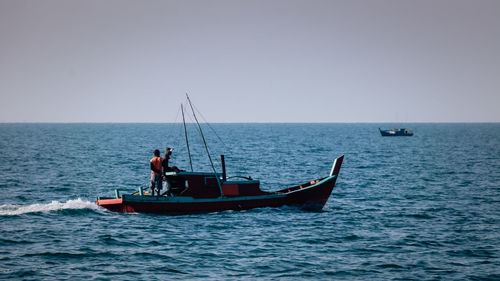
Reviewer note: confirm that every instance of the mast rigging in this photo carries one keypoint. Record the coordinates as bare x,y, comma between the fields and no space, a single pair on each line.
187,141
206,146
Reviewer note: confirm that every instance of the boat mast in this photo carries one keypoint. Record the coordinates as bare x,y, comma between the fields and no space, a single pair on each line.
206,147
186,135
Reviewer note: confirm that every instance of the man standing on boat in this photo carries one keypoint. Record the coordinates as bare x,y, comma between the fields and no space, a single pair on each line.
166,168
156,172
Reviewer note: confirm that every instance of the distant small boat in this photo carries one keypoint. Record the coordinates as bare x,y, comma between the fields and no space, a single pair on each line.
396,132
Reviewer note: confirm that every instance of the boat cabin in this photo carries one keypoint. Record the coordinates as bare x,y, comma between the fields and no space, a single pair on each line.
209,185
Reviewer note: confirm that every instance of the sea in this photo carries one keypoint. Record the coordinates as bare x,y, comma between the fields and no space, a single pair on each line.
425,207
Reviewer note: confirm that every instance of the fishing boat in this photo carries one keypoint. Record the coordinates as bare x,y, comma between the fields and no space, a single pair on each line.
201,192
395,132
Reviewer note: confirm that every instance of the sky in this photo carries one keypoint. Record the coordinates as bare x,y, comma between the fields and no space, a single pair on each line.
250,61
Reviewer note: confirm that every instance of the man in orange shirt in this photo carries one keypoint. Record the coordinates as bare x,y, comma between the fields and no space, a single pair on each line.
156,172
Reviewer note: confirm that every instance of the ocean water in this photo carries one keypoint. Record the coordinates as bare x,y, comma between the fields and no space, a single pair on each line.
425,207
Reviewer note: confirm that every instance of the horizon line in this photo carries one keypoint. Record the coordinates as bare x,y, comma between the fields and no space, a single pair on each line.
254,122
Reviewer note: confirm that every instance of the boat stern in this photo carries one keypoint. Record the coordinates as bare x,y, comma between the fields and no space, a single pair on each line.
113,204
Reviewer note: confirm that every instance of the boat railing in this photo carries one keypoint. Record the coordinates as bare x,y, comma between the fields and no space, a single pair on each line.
241,177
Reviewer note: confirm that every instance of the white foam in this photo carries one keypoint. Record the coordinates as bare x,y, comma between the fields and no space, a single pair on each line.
75,204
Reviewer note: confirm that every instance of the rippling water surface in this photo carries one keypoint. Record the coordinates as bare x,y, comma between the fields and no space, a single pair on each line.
425,207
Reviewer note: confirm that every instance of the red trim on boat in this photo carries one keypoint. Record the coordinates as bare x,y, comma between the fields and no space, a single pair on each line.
114,201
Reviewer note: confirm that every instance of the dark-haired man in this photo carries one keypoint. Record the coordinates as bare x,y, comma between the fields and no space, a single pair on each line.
156,172
166,168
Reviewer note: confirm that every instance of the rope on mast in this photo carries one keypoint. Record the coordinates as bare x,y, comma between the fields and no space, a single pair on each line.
186,135
206,146
208,124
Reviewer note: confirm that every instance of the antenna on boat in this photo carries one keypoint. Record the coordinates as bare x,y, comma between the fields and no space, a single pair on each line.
186,135
206,146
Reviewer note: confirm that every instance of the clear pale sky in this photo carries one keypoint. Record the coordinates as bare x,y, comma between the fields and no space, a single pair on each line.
250,61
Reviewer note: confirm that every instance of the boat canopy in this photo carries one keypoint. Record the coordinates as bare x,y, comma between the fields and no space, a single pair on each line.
206,185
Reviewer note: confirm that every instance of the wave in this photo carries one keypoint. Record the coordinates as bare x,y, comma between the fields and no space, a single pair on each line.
75,204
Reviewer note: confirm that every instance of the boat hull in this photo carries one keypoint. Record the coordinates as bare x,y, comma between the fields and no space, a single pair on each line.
312,197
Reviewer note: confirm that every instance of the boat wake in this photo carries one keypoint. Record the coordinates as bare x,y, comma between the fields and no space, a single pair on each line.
75,204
